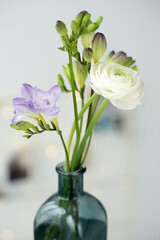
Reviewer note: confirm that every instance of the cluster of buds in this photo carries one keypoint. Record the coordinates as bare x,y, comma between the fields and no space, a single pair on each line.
94,47
122,59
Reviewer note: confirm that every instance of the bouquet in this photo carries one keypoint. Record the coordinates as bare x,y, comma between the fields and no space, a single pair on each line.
116,79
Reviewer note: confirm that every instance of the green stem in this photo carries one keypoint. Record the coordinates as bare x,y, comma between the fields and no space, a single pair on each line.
73,92
89,112
66,152
75,164
81,122
94,96
86,151
77,141
94,106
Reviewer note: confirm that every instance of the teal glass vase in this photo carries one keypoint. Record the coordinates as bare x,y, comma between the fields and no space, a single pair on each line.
71,214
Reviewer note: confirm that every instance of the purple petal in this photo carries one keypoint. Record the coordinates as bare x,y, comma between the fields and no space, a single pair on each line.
27,91
43,100
21,109
55,90
17,118
18,100
54,111
30,105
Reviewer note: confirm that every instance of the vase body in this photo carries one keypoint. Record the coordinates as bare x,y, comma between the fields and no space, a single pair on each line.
71,214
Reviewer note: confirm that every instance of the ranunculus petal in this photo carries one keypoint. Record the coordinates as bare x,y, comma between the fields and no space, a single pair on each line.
27,91
121,85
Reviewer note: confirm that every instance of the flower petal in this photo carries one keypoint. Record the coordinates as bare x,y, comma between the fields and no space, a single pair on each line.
17,118
56,90
54,111
21,109
27,91
18,100
31,107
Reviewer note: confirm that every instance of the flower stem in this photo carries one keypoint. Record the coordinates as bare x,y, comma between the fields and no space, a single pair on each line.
75,164
94,96
77,141
73,93
66,152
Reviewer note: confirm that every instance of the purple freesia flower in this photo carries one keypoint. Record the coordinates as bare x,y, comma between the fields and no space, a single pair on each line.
33,101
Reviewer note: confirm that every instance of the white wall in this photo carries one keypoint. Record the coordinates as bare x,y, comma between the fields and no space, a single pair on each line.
28,53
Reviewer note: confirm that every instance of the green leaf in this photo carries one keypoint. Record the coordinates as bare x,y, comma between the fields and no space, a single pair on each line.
47,127
62,49
27,136
29,132
41,124
22,126
35,128
53,125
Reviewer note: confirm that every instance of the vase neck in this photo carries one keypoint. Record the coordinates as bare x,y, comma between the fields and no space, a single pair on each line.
70,185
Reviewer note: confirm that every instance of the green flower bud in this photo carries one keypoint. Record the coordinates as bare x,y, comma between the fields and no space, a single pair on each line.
60,80
86,39
80,73
61,28
119,57
74,27
61,83
99,20
92,27
99,46
66,71
85,20
108,58
88,54
22,126
79,17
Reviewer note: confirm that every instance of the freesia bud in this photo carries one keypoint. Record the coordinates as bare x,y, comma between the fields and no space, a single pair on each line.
85,20
119,57
108,58
86,39
88,54
66,70
79,17
99,46
92,27
74,27
80,73
61,83
99,20
61,28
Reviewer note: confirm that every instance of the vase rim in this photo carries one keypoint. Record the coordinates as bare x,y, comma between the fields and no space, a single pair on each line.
60,170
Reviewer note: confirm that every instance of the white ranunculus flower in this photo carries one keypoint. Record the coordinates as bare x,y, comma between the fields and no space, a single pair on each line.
121,85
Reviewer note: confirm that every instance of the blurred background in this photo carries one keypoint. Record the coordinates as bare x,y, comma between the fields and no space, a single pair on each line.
123,162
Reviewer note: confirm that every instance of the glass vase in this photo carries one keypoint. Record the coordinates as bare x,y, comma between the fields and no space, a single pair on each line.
71,214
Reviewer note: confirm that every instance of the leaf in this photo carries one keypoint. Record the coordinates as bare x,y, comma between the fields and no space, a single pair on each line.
47,127
27,136
53,125
22,126
62,49
41,124
35,128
